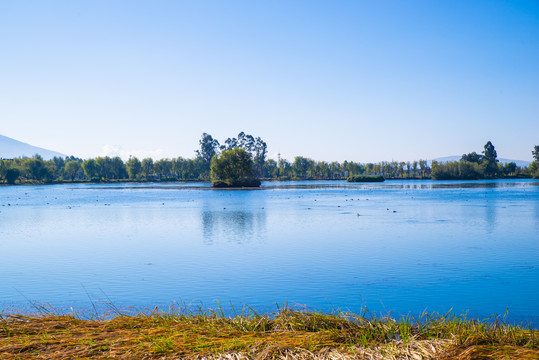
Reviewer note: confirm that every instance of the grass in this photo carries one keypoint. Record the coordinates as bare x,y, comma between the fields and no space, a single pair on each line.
286,334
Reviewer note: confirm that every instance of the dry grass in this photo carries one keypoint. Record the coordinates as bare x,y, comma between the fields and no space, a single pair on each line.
287,334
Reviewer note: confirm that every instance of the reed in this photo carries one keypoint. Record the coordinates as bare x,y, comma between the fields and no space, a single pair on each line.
179,333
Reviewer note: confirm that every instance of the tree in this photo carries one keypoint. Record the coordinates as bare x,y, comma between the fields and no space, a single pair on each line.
284,167
37,169
163,168
472,157
270,167
208,147
490,159
104,167
510,168
72,168
3,167
134,167
233,168
147,167
535,153
60,165
118,168
33,167
90,168
246,142
12,174
423,166
457,170
300,166
260,151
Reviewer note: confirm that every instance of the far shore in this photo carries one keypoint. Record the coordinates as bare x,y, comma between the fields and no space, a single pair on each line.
168,181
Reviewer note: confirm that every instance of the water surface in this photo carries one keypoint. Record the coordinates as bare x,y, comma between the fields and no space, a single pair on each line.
397,247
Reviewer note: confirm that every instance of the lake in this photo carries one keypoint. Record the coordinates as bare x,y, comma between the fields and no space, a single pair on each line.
398,247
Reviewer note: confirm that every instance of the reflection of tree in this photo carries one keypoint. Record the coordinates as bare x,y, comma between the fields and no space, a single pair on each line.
537,216
470,185
232,226
490,211
207,227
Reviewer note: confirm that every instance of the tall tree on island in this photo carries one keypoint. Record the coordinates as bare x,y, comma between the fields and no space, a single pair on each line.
490,160
208,148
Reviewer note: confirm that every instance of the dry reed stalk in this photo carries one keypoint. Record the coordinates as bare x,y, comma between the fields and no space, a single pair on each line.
287,335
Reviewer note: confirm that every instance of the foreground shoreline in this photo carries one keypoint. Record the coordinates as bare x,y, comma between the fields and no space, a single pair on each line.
286,334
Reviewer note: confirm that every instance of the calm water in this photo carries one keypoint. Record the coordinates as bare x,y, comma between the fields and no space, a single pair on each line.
399,246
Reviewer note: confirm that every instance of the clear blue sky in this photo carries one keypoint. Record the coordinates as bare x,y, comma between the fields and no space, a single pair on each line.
331,80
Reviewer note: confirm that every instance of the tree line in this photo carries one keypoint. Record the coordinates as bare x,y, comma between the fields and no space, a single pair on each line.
475,166
102,169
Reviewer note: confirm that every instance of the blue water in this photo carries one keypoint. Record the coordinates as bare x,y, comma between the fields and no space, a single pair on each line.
399,247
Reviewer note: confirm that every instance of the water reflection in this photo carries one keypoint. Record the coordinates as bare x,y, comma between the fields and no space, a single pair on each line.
490,212
537,217
232,226
336,184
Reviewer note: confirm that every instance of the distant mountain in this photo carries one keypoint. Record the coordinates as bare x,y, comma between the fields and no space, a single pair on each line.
520,163
11,148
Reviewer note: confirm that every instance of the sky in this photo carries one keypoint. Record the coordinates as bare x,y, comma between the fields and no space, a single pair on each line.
357,80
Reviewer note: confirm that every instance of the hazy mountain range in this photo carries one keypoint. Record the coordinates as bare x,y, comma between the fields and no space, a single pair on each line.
11,148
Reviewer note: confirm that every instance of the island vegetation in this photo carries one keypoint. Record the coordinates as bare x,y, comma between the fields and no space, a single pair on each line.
233,168
36,170
365,178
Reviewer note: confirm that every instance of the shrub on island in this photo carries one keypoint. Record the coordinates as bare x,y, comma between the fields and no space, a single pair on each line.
233,168
365,178
239,183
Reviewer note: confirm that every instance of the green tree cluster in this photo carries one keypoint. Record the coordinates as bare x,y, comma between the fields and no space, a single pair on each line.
474,166
36,170
233,168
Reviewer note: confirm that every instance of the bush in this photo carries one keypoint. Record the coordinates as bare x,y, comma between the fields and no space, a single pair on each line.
237,183
365,178
233,168
12,175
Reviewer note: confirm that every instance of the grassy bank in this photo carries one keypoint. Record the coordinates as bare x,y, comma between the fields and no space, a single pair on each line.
287,334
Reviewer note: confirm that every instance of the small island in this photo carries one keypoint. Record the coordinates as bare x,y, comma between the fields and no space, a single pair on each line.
365,178
233,169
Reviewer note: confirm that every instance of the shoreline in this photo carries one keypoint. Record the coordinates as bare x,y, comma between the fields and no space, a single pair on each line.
130,181
288,333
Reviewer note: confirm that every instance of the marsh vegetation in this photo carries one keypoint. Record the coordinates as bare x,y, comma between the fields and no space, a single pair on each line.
288,333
